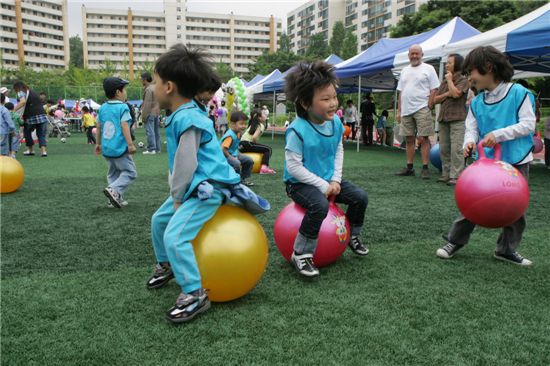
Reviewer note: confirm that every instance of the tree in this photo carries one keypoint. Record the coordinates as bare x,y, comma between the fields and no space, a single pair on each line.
267,62
349,48
285,44
483,15
317,47
337,39
224,71
76,51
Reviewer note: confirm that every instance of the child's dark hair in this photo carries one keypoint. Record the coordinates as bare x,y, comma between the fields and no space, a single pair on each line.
111,94
459,61
9,106
254,121
488,59
213,84
2,98
385,113
349,101
85,109
189,69
238,116
300,84
523,83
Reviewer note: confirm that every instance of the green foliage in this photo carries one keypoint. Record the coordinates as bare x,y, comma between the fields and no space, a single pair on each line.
349,48
267,62
317,48
76,51
338,36
284,43
224,71
483,15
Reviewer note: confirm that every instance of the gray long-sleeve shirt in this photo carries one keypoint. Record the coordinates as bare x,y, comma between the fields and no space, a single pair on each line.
185,163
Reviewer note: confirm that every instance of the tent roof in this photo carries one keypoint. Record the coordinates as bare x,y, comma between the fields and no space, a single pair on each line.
389,53
526,40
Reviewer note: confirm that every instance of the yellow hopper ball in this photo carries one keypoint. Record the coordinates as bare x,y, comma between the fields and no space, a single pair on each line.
257,157
12,174
231,251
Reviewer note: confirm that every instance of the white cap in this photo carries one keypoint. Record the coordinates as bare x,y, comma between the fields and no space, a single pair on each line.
4,90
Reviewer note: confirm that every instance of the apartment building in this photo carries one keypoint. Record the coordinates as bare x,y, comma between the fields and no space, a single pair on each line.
315,16
34,34
132,38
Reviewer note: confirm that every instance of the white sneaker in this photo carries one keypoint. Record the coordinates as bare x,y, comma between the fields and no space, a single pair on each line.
123,204
153,152
304,264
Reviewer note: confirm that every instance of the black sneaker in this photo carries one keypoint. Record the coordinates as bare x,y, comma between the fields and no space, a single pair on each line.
405,172
188,306
163,273
514,257
357,246
448,250
304,264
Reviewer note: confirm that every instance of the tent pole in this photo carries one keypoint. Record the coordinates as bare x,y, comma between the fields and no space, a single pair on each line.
274,115
359,114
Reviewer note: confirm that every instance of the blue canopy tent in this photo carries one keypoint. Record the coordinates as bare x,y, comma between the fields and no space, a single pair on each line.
377,66
525,40
254,80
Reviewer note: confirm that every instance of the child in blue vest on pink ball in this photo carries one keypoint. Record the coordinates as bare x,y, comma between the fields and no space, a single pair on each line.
501,113
314,156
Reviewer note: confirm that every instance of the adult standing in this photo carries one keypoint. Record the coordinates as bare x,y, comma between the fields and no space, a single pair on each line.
452,95
32,110
368,111
150,115
417,87
350,117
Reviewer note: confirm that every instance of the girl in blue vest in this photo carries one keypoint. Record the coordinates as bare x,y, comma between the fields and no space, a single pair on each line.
502,113
114,141
314,156
194,157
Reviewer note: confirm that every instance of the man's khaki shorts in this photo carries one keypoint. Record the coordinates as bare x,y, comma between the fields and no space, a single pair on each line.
419,123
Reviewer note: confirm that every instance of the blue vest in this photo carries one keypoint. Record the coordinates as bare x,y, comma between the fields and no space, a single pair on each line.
493,116
212,164
234,147
113,144
319,150
201,107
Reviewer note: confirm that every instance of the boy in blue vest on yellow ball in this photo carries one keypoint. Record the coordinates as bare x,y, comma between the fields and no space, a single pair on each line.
314,156
114,141
501,113
197,173
230,144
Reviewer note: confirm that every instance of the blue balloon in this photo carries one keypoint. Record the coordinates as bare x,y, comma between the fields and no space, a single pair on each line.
435,157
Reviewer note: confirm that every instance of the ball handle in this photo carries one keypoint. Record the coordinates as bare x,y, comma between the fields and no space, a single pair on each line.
481,151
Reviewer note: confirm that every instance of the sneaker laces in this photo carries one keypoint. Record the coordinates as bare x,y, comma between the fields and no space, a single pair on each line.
160,269
449,247
356,243
186,299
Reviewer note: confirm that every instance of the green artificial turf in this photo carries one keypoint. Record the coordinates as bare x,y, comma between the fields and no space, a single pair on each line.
74,272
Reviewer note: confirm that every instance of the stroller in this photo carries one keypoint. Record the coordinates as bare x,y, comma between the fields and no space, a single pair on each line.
58,128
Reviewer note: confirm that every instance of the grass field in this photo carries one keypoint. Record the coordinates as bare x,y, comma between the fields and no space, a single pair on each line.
73,278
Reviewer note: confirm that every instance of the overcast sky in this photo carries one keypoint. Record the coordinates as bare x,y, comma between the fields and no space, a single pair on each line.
277,8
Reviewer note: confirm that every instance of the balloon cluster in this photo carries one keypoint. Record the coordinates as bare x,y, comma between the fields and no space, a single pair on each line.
240,97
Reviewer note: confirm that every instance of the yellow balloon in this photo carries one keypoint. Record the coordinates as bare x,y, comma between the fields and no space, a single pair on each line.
231,251
12,174
257,157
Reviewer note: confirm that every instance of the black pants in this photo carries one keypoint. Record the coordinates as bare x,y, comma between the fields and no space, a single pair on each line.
367,134
547,151
41,132
510,236
316,206
352,127
90,135
247,146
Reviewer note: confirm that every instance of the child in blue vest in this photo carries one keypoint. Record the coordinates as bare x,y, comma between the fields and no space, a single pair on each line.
314,157
197,173
230,141
502,113
114,141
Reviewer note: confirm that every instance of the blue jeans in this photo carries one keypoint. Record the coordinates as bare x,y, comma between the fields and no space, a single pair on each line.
172,233
122,172
152,130
316,206
4,144
242,164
